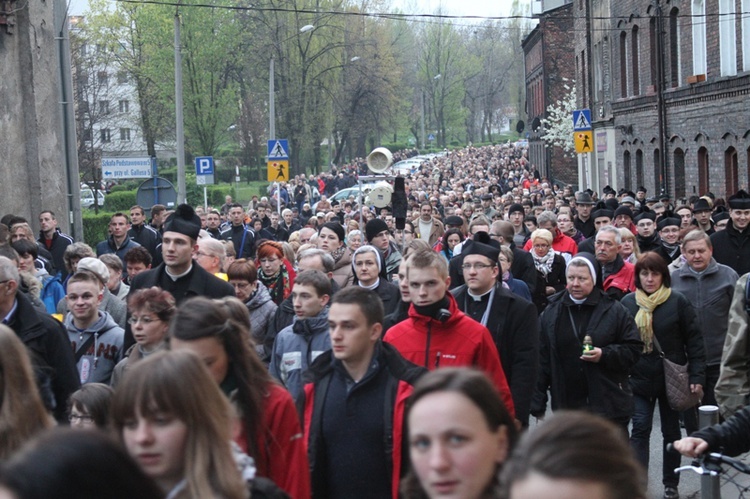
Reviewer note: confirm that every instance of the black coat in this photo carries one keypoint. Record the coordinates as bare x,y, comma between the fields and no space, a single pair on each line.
555,278
732,248
677,330
514,325
612,329
732,437
202,283
389,295
522,267
51,355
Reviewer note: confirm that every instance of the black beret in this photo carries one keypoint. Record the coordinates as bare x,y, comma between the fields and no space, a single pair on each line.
667,222
624,210
184,221
454,221
477,248
603,212
650,215
722,215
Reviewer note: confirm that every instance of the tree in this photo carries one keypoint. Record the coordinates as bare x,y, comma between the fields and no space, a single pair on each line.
558,125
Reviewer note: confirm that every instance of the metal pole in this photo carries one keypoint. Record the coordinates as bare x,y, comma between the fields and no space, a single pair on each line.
423,142
180,137
708,415
271,104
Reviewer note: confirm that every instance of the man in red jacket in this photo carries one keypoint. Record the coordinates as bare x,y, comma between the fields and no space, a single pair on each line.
436,333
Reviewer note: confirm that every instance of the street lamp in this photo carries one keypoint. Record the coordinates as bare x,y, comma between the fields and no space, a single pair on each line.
271,90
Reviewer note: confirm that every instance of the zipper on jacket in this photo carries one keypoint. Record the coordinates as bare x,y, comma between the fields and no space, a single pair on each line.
427,351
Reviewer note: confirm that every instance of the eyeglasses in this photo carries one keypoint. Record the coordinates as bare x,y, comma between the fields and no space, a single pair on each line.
478,266
199,254
80,417
133,320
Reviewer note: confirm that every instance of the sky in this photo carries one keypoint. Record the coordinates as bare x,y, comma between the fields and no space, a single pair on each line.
451,7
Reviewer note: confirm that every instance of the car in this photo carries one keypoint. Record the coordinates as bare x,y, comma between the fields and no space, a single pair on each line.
343,195
407,166
87,197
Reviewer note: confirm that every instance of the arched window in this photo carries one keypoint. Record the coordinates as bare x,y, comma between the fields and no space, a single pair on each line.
623,64
634,57
731,171
674,47
626,170
699,37
639,167
702,170
727,38
657,171
679,173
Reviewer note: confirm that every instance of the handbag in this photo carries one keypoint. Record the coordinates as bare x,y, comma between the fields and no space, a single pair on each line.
677,381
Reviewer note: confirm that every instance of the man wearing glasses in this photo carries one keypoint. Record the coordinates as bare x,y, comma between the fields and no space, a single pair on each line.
511,320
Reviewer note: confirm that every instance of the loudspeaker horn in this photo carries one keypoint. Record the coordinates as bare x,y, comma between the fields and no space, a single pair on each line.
379,160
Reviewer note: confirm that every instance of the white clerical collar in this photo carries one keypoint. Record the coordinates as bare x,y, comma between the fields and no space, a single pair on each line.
479,297
175,277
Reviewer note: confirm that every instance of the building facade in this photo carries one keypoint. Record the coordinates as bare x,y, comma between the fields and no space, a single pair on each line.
549,68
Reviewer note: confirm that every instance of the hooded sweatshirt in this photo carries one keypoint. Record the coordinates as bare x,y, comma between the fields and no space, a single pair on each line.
101,357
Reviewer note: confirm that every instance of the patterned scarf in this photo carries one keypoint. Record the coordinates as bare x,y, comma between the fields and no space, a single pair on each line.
544,263
338,253
279,285
644,319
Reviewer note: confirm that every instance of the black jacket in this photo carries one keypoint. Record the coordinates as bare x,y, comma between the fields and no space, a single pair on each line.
732,248
389,295
514,325
60,242
201,283
612,329
235,234
732,437
555,278
51,355
679,335
402,375
146,236
523,267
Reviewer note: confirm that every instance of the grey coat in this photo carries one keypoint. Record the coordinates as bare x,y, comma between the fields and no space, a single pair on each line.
262,310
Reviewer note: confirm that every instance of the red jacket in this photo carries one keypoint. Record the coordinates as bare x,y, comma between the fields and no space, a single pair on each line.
624,279
561,243
282,453
459,341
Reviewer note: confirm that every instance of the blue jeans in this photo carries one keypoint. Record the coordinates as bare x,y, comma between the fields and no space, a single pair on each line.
643,419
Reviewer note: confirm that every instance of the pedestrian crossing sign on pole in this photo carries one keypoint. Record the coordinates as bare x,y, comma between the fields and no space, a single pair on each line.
278,149
581,120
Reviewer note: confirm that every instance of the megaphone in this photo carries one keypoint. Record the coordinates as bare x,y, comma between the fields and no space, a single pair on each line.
380,195
379,160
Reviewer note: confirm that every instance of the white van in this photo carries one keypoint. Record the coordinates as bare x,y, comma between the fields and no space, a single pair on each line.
87,197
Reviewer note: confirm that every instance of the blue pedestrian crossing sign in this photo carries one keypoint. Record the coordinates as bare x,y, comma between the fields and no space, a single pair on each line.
581,120
278,149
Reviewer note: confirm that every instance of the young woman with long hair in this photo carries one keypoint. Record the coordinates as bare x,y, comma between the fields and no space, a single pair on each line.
270,430
22,413
176,424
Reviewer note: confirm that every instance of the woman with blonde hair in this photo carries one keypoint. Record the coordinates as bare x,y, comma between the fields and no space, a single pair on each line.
22,413
629,251
175,422
550,268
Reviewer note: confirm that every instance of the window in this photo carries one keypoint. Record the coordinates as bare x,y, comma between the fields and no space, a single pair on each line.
124,133
105,135
103,78
703,170
626,170
679,173
101,48
634,56
104,107
731,170
699,37
122,77
727,39
86,135
124,106
674,48
639,167
746,35
623,64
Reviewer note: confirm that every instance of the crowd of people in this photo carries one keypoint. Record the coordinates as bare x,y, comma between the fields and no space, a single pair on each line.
290,346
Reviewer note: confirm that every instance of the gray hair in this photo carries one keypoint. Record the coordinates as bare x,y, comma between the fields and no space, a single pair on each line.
328,262
613,230
214,248
112,261
8,269
696,235
546,216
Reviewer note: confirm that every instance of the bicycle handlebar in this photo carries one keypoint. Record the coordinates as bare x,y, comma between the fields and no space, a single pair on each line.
710,463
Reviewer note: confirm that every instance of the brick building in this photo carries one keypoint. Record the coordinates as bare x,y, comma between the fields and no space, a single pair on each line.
549,63
667,83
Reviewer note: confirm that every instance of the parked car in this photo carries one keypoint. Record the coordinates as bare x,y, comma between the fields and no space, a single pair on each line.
87,197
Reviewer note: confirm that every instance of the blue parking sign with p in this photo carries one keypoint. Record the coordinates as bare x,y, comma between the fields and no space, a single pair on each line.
204,165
